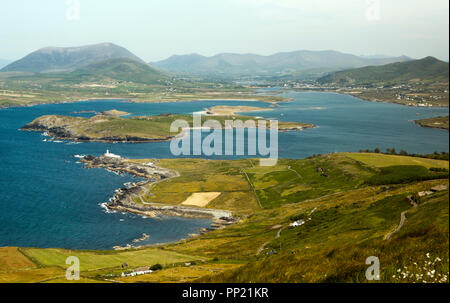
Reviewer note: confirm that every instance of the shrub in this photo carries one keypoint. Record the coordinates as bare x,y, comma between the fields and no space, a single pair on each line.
297,217
156,267
438,169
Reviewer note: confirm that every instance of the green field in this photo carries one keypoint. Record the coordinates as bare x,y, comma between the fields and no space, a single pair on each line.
382,160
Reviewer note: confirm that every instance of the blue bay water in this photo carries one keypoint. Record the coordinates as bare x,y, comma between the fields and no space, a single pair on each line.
47,199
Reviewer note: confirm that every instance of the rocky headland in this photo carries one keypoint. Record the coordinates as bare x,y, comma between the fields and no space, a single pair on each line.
125,198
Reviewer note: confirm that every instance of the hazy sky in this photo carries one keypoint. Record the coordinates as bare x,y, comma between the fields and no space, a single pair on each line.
156,29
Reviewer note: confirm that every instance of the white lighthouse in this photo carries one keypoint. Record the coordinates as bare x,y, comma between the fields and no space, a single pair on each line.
111,155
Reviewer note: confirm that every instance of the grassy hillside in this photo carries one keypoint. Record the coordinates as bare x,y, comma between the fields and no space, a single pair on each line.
346,220
383,160
428,69
334,244
121,69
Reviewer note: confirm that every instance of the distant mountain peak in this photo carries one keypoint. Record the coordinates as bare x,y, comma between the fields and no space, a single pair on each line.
430,59
50,59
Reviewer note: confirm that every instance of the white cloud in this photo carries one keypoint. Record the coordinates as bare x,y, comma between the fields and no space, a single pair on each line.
303,10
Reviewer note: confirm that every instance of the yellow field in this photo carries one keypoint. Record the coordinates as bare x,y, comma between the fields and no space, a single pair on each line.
32,275
11,259
201,199
382,160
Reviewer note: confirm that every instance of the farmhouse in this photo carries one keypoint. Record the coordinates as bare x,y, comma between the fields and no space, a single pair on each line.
137,272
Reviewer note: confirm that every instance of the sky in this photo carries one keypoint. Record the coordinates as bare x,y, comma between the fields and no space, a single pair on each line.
157,29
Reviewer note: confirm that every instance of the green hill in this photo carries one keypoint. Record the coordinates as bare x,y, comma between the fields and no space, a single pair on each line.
428,69
122,69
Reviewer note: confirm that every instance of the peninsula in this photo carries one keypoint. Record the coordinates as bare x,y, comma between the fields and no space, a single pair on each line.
436,122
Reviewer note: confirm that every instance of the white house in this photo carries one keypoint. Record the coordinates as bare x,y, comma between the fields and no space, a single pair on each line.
136,273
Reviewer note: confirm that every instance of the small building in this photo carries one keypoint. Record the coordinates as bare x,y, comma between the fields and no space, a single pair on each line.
297,223
137,272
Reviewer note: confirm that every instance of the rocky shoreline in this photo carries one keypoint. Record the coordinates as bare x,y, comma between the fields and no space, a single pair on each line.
295,128
123,201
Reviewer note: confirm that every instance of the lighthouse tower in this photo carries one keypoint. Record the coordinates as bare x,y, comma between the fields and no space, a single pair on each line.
110,155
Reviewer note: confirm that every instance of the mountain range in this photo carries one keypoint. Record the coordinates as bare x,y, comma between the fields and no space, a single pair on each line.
313,63
426,69
108,61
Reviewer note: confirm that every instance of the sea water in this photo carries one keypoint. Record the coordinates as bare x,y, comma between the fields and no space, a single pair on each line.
47,198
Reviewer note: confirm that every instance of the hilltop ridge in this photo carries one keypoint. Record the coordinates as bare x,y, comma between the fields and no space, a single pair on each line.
425,69
283,63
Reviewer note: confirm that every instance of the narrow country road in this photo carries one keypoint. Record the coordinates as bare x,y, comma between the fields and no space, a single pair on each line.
400,225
